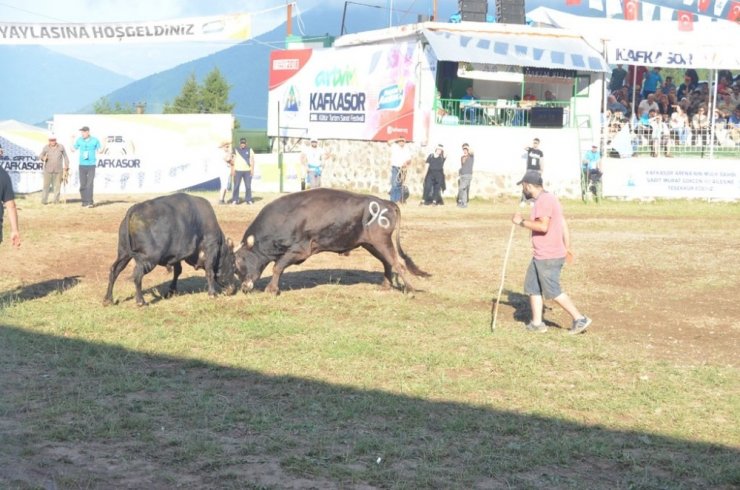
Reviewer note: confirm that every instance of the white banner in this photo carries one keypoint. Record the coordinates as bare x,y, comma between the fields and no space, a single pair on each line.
671,55
361,92
142,153
675,178
232,27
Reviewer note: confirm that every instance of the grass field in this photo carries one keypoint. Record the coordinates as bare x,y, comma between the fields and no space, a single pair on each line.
337,383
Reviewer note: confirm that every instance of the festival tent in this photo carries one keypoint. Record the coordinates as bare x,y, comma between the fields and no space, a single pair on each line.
668,44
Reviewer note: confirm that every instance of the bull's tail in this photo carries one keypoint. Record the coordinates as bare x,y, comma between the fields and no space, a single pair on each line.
410,265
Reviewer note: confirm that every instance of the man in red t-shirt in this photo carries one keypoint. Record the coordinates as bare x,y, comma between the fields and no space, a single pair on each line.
551,246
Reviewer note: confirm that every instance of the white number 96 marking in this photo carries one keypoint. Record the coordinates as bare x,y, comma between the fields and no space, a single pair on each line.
378,214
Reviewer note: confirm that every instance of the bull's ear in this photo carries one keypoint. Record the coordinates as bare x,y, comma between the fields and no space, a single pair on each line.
250,241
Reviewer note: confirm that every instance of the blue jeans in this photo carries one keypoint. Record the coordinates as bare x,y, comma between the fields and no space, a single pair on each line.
463,192
246,176
395,185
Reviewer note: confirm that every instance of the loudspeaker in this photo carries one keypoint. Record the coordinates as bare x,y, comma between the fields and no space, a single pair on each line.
473,17
473,6
510,11
546,117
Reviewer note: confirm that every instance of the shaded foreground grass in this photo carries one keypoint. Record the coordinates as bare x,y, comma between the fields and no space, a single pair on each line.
105,416
337,384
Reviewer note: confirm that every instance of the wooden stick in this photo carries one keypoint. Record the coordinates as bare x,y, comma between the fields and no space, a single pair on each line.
503,275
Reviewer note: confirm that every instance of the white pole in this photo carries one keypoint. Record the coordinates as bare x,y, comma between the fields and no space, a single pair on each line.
711,120
390,14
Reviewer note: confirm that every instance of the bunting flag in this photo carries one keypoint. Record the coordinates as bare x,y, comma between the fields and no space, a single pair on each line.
596,5
703,5
648,10
572,2
688,3
666,13
613,8
631,9
734,12
685,21
719,6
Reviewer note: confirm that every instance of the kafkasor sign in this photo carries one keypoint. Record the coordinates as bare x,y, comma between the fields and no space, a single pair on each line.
148,153
363,93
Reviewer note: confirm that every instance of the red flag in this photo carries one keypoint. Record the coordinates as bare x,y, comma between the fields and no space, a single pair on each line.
734,13
685,21
572,2
631,9
703,5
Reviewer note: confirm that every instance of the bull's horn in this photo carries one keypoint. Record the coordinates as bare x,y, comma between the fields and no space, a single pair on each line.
250,241
229,242
238,247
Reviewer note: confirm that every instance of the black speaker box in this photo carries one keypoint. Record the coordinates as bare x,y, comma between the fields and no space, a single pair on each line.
510,11
546,117
473,6
473,17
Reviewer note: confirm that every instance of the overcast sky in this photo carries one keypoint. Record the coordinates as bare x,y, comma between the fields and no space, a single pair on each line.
140,60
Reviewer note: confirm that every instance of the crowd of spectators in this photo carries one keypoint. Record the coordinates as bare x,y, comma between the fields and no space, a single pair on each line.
667,117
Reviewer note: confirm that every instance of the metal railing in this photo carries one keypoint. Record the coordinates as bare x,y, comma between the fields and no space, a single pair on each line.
720,139
495,112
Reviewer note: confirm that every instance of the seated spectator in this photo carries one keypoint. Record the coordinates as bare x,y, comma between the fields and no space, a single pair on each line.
656,132
720,127
644,129
615,106
549,97
679,124
467,103
733,125
664,106
700,126
647,105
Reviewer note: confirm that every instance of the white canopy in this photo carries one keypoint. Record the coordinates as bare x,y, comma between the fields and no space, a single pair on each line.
710,45
568,53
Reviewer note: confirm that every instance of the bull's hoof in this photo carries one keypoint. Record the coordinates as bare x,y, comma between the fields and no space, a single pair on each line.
272,290
170,293
386,285
142,303
247,287
107,301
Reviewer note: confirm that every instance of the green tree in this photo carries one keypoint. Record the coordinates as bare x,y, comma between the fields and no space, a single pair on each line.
103,106
215,93
189,100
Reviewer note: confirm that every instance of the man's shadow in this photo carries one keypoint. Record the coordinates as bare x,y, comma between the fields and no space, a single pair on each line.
522,310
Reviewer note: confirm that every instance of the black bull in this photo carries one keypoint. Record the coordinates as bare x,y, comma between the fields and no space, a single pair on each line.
167,230
294,227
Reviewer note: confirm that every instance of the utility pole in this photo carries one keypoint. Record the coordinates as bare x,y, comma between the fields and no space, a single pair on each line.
289,20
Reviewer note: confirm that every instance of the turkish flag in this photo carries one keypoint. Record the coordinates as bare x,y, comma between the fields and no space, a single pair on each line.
734,13
703,5
631,9
685,21
572,2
